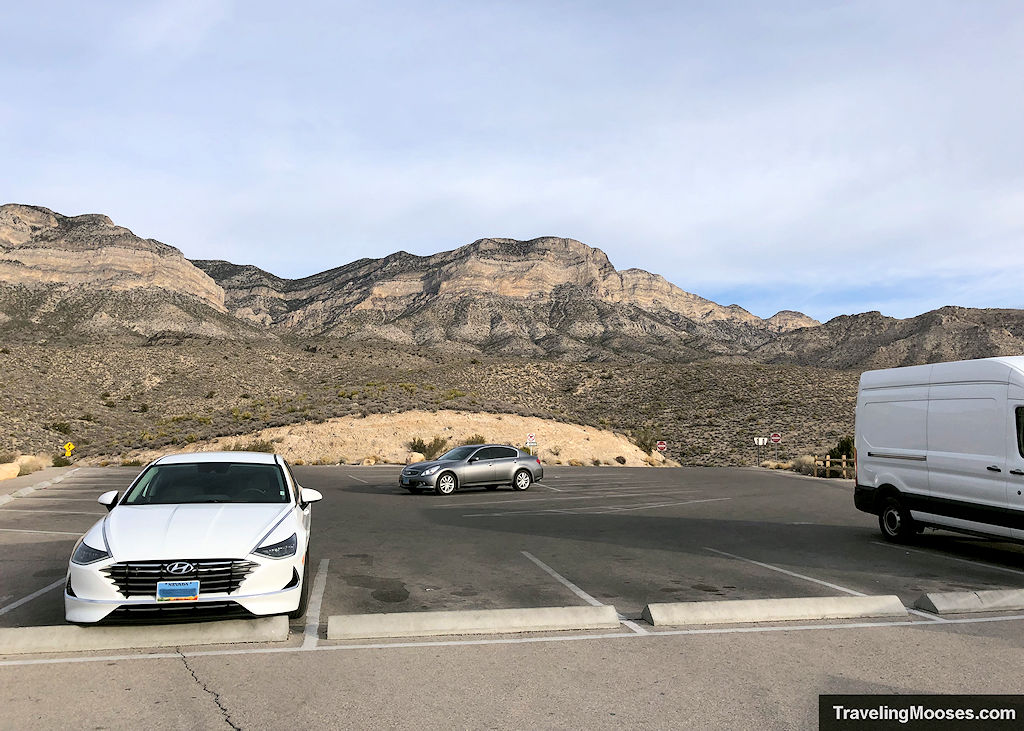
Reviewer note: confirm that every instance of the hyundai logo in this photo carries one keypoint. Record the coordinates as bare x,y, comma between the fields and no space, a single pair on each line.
180,568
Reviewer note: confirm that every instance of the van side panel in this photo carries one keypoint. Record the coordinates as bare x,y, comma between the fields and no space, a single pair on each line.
966,439
892,438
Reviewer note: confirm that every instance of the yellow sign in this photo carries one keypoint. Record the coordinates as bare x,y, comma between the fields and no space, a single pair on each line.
68,449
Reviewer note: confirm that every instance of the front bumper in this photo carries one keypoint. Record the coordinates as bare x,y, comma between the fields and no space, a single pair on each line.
417,480
93,596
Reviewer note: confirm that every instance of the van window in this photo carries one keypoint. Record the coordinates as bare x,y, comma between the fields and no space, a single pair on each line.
1020,430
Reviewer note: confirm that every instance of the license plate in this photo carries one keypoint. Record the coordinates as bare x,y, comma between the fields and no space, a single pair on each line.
405,480
177,591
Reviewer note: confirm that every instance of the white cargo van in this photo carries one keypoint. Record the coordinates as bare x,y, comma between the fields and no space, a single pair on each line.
942,446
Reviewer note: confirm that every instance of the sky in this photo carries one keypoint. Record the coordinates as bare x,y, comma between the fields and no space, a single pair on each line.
826,157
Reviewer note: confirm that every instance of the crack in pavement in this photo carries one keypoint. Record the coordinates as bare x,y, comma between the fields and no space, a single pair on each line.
215,694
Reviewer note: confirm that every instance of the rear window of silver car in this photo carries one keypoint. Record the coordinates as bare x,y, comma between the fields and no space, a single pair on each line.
209,482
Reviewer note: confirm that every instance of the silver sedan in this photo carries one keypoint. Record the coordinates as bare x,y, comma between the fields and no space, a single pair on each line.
474,465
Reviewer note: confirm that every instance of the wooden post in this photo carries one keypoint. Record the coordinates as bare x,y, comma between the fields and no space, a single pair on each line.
815,465
828,465
844,466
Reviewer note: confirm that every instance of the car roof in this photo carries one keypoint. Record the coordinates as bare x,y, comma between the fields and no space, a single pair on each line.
243,457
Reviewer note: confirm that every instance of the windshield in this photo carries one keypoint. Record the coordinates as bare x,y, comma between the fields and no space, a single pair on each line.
209,482
458,453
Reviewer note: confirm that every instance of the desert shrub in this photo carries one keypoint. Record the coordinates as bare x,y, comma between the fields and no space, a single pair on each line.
596,462
59,460
646,439
474,439
428,449
804,464
257,445
575,463
843,448
62,427
87,417
620,459
6,457
555,449
30,465
131,462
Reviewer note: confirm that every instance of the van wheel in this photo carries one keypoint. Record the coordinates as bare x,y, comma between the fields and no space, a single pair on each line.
895,522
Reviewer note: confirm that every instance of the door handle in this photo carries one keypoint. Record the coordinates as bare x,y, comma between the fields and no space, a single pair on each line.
993,468
1017,472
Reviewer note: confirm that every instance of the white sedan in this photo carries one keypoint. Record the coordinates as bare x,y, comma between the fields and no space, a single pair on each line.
196,535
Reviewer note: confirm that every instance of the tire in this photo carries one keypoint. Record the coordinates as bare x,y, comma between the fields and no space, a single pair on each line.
522,480
300,611
895,522
491,487
446,484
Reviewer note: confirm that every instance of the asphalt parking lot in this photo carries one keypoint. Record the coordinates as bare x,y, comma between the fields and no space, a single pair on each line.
619,536
583,536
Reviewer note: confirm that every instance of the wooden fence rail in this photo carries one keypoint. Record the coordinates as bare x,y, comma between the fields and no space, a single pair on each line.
843,466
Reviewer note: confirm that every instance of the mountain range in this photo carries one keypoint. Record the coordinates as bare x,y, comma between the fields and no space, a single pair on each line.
83,277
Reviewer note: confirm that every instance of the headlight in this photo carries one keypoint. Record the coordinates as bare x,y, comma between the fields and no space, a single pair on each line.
431,470
284,549
87,554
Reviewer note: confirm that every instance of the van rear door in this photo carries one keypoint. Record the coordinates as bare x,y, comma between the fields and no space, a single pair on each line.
1015,462
967,466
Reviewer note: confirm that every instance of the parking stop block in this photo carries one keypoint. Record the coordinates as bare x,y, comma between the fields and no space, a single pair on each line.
470,622
965,602
773,610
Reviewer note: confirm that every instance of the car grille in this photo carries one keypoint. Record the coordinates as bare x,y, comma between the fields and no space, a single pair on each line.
139,578
176,612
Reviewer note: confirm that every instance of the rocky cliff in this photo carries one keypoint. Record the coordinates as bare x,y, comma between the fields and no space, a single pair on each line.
549,295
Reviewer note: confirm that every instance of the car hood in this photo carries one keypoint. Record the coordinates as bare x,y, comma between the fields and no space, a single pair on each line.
420,466
168,532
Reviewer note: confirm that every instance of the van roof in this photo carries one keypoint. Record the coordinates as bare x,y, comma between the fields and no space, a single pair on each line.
1004,369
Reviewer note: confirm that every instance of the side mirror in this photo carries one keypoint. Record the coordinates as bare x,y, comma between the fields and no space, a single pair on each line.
307,495
108,499
474,459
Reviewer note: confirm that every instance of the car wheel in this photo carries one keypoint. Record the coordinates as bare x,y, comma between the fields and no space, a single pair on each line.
895,522
300,610
491,487
446,484
522,480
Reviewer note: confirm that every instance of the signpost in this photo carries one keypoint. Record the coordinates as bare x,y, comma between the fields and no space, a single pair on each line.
68,449
759,442
662,446
776,438
531,442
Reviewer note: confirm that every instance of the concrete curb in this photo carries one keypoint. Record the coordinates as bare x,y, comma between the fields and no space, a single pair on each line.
73,638
22,486
965,602
471,622
774,610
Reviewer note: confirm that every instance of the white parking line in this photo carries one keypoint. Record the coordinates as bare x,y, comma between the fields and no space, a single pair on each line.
658,505
357,479
548,499
911,610
580,593
50,532
952,558
541,484
30,597
54,498
311,636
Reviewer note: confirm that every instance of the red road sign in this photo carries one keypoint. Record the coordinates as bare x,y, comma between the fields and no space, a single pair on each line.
662,446
531,437
776,438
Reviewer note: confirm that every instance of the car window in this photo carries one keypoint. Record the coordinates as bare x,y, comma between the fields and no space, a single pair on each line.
485,453
1020,430
209,482
505,452
295,483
